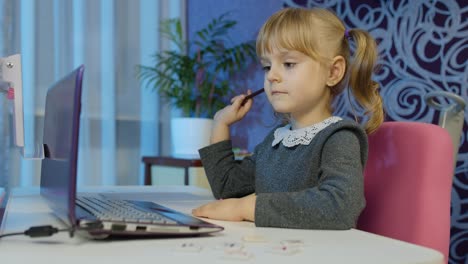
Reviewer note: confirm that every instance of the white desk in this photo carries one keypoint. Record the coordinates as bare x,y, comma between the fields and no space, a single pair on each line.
351,246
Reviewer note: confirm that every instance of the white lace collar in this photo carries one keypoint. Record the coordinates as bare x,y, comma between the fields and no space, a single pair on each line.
302,136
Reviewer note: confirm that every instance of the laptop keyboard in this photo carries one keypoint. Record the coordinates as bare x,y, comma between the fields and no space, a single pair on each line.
120,210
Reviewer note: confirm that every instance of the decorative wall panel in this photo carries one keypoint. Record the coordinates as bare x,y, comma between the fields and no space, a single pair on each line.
423,47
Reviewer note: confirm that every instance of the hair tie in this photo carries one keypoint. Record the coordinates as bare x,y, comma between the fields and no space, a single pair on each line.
346,34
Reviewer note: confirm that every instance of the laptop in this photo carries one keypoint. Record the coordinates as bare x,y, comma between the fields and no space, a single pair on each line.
96,215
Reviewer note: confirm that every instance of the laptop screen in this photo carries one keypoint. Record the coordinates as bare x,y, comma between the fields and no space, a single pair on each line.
60,138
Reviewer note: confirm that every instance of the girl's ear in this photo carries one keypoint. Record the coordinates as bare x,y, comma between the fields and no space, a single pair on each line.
337,71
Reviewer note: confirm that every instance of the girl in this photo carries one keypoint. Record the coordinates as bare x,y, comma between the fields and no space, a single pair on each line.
309,173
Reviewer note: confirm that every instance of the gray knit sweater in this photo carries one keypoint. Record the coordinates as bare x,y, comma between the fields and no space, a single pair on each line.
315,186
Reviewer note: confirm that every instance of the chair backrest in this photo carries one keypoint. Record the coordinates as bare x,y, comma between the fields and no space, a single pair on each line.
408,182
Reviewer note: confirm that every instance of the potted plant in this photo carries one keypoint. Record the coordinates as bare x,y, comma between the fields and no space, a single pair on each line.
197,76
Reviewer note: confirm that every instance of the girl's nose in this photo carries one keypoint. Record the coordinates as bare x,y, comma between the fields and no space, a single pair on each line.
273,75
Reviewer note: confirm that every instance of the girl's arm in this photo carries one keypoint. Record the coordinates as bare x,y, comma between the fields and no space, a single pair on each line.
228,177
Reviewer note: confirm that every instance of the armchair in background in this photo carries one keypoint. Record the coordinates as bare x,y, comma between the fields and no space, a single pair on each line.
408,182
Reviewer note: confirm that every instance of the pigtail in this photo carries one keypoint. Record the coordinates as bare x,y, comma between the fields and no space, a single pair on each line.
364,89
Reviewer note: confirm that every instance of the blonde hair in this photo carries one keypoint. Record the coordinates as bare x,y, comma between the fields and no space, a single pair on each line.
321,35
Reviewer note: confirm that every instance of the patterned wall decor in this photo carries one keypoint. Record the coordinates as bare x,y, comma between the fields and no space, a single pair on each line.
424,47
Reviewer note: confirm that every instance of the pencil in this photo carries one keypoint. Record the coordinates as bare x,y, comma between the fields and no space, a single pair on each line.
252,95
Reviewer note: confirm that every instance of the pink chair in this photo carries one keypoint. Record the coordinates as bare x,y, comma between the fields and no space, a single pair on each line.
408,182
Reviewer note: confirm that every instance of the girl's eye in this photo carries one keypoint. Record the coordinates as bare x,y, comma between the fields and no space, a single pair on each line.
289,65
266,68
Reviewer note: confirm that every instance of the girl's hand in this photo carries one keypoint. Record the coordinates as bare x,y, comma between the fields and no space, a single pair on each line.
227,116
233,112
234,209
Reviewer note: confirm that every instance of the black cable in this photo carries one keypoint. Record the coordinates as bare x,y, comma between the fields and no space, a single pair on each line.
39,231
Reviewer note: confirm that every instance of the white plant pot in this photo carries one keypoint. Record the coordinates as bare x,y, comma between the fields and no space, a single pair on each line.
188,135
